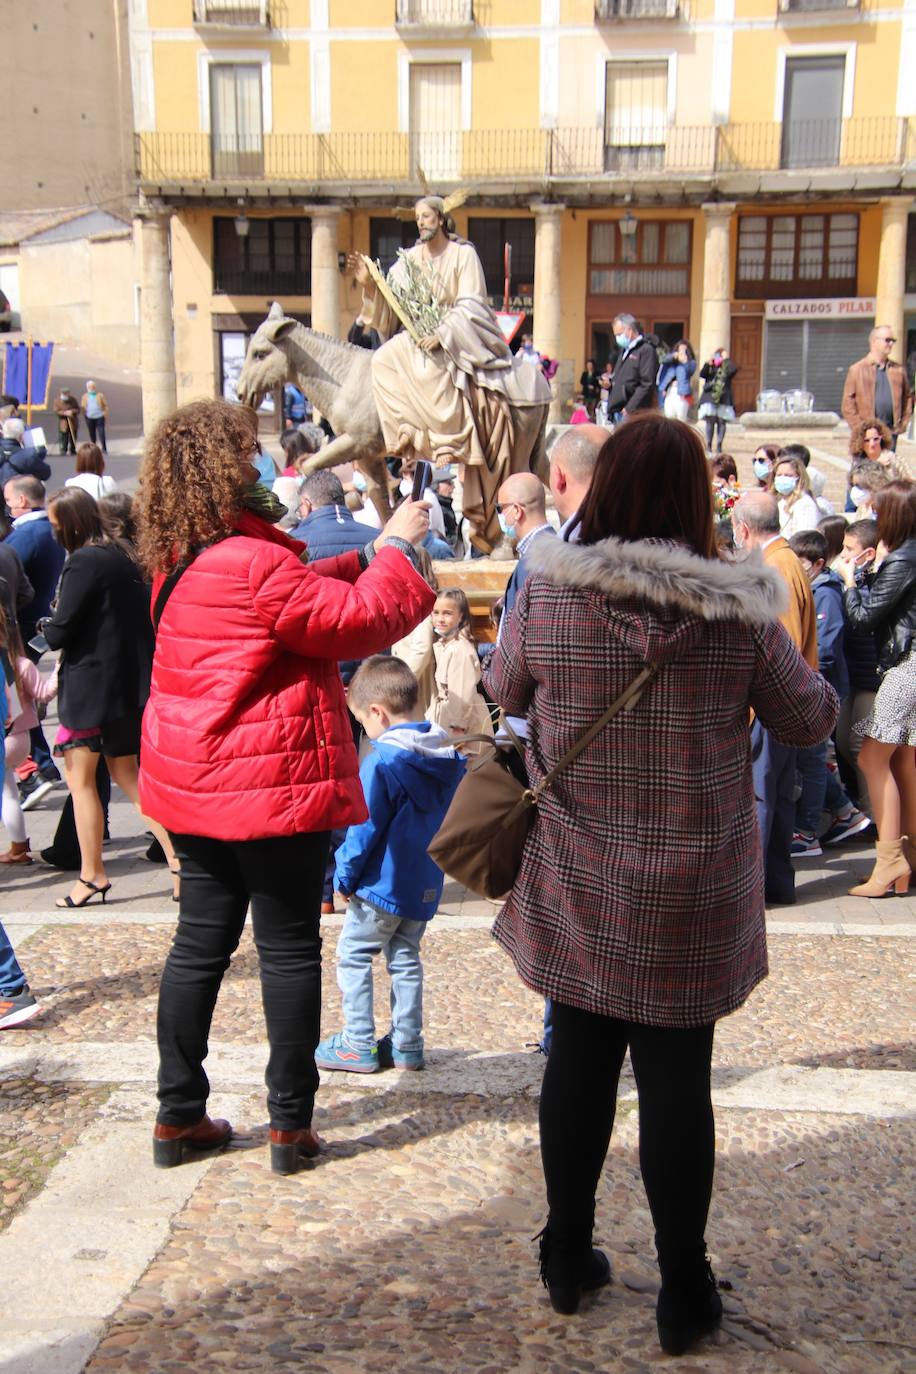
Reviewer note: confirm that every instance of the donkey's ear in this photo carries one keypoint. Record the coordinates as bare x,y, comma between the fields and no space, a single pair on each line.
276,329
275,312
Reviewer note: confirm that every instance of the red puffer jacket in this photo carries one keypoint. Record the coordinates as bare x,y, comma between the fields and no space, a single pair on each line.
246,733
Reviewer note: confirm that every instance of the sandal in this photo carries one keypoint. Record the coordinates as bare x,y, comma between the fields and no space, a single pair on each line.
95,890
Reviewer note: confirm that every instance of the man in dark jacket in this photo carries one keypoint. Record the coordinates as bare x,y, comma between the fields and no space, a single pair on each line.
42,558
633,388
17,461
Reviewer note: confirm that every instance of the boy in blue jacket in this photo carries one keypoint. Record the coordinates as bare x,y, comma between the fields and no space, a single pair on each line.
821,788
391,885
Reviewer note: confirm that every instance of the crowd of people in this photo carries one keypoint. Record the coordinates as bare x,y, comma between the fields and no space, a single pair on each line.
291,694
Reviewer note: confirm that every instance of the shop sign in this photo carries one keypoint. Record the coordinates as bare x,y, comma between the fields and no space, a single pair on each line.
833,308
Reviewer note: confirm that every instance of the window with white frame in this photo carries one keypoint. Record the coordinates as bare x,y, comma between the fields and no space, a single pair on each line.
812,111
236,119
635,115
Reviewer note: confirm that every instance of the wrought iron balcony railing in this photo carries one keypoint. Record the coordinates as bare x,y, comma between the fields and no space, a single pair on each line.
515,155
434,14
636,9
232,14
806,6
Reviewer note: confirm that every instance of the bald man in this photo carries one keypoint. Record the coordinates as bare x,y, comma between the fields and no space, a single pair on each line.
521,508
572,466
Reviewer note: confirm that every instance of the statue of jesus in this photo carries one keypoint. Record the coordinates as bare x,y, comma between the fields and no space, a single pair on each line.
460,395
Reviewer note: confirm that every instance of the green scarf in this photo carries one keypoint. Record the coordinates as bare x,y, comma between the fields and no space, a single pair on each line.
263,502
718,385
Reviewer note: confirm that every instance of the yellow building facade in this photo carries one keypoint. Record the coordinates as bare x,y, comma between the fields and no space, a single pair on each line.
735,172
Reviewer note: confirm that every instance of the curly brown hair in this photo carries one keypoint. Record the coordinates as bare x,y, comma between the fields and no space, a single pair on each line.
857,437
192,480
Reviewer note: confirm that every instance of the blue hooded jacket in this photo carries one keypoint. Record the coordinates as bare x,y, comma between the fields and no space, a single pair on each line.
409,779
827,590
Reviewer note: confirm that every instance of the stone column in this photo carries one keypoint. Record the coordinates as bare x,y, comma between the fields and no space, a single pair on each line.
157,329
548,305
325,272
716,319
892,269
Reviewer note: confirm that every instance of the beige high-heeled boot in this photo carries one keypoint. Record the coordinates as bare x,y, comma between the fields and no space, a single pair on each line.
891,871
909,850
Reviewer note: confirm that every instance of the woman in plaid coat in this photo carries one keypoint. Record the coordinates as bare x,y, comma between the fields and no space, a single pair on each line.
638,908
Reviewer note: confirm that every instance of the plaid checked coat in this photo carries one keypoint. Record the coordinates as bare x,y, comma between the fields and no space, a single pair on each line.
640,894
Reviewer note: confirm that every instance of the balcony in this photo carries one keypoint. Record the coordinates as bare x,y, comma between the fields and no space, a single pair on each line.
433,18
811,6
386,164
231,15
606,10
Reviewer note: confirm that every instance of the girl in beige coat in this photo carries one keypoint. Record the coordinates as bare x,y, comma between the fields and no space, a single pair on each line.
457,705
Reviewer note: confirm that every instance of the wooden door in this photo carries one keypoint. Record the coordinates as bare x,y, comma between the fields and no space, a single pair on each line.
747,355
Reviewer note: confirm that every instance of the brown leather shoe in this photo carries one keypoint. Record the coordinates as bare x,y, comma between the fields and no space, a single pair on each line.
170,1142
287,1148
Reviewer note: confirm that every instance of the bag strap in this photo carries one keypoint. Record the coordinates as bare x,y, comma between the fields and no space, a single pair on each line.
625,702
175,576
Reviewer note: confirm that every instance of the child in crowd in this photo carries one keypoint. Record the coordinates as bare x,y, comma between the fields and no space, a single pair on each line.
833,528
391,885
859,548
31,687
816,479
820,786
457,705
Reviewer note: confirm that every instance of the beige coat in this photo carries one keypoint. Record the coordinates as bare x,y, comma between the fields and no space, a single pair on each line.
416,650
457,705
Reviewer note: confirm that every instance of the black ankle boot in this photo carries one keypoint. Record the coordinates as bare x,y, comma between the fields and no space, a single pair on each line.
689,1306
570,1267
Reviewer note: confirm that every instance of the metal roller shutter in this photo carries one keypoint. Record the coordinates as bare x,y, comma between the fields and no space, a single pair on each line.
813,355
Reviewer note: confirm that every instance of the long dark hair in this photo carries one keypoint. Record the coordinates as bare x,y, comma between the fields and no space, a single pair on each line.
77,517
651,482
895,510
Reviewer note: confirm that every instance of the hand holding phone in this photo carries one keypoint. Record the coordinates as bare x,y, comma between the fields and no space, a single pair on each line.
422,476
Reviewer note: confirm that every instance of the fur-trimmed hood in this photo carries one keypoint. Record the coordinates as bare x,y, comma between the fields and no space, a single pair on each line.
658,594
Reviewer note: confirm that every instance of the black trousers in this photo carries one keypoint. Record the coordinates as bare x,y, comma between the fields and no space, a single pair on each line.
282,879
676,1129
97,432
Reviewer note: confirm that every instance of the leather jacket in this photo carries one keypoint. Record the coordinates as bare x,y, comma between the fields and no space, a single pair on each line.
887,606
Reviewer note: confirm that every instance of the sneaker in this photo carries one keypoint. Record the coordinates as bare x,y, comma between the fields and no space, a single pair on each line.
391,1058
16,1008
33,789
335,1053
804,843
847,826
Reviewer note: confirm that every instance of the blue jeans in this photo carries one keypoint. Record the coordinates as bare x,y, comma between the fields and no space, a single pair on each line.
367,932
12,978
820,788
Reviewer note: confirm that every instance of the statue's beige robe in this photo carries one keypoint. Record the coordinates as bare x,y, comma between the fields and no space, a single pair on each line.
469,401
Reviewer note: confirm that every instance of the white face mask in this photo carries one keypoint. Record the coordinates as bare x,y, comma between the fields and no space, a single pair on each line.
405,486
738,534
359,482
858,496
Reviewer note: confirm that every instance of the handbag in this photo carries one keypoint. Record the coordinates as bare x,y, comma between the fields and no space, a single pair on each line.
482,838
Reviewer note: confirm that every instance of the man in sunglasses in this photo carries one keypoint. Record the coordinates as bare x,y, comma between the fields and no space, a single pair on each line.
876,386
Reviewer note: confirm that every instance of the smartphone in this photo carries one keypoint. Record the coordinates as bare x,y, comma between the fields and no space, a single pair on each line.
422,476
39,644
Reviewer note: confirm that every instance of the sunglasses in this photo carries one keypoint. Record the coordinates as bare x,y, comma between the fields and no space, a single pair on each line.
887,341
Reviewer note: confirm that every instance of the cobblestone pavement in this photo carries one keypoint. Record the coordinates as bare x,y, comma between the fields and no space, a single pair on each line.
407,1246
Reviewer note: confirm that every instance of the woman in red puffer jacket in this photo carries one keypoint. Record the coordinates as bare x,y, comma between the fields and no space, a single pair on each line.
247,756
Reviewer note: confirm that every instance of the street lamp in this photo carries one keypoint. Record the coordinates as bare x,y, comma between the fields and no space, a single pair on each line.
628,224
242,225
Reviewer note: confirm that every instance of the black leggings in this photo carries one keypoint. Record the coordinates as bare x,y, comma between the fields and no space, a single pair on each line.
676,1129
282,878
714,423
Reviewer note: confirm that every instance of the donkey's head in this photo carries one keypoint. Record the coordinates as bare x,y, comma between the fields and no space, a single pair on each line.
267,363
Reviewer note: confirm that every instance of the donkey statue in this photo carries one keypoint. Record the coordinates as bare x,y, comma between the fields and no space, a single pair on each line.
337,379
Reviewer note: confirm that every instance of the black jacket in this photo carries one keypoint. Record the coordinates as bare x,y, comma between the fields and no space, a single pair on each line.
708,373
102,623
16,591
16,461
887,606
633,387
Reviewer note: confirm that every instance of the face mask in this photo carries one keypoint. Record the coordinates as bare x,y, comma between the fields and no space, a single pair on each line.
785,485
405,486
858,496
738,538
359,482
761,468
621,340
507,529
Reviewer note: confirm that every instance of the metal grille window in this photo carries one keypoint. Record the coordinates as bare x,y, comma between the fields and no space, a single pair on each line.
654,261
808,255
489,237
275,256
